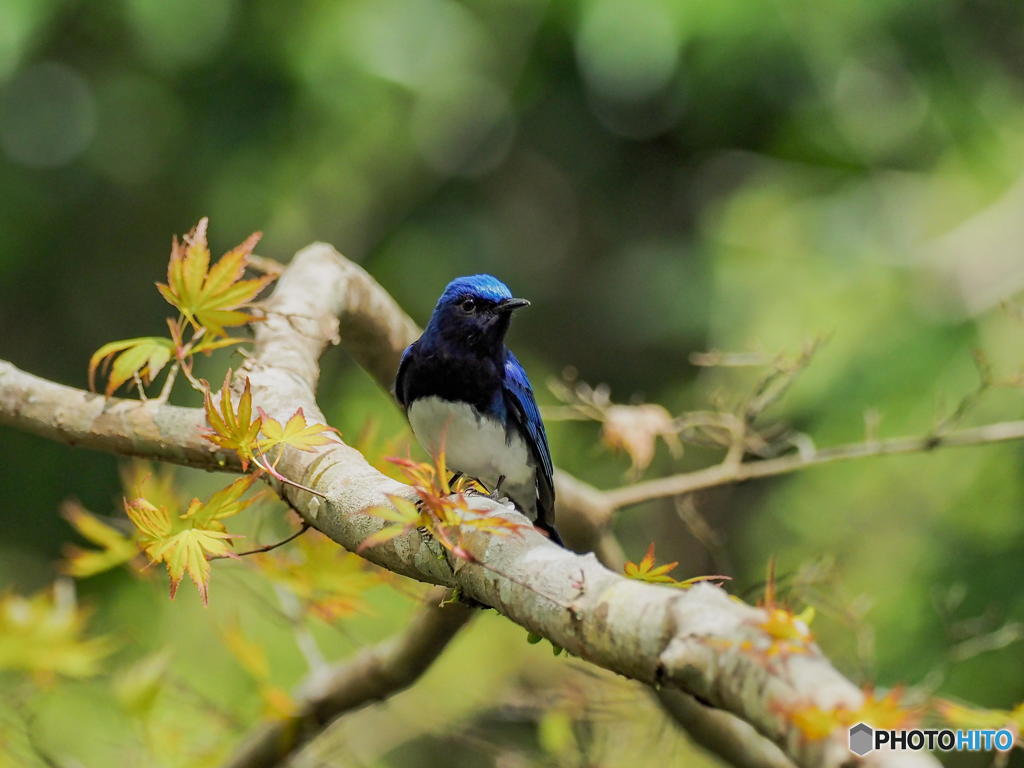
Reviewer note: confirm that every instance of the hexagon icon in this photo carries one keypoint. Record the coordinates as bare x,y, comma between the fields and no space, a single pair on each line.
861,739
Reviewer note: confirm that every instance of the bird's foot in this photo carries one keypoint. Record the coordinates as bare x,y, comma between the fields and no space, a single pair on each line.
494,495
425,535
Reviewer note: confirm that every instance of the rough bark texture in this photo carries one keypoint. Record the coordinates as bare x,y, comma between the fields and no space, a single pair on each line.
128,427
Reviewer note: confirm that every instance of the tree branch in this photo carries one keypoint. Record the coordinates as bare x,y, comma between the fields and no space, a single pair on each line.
147,429
373,674
698,641
726,474
375,331
693,640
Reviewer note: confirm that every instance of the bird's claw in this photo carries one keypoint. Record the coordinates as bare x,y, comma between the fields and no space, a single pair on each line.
495,495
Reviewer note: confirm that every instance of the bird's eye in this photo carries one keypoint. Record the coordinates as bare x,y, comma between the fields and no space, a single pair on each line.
468,305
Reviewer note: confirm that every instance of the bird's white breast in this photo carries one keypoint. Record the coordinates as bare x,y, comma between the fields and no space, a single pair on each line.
475,445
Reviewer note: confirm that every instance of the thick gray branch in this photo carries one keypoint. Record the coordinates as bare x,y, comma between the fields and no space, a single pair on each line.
697,640
373,674
127,427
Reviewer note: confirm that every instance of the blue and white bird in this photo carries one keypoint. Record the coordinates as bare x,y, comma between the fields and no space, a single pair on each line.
466,393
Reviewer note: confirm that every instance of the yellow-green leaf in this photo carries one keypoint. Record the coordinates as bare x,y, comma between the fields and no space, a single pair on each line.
385,534
211,298
296,432
329,580
154,523
224,503
187,552
963,716
185,542
115,547
144,356
645,570
155,483
233,429
45,635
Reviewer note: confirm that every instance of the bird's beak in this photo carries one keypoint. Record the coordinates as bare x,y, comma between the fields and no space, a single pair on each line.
510,305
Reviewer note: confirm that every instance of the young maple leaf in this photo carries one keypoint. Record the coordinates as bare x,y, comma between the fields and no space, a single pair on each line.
886,712
155,483
234,430
144,357
647,571
295,433
789,632
211,298
437,510
189,551
182,549
331,582
152,522
224,503
114,547
43,635
186,543
966,717
404,514
815,722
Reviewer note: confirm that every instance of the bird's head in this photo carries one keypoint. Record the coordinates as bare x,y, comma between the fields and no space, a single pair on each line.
474,311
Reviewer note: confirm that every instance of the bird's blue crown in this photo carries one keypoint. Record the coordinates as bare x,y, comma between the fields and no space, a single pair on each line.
478,286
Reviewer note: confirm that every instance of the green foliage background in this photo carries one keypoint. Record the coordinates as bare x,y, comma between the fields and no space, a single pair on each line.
658,177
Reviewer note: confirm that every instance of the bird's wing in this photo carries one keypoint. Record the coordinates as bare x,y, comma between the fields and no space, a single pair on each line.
523,409
400,387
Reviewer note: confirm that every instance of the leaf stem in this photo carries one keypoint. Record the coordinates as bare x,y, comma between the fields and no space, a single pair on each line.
268,547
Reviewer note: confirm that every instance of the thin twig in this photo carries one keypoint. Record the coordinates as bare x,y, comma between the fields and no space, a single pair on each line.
265,264
272,471
722,474
165,391
138,385
268,547
292,608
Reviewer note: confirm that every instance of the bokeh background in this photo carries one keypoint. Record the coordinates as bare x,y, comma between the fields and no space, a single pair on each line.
659,177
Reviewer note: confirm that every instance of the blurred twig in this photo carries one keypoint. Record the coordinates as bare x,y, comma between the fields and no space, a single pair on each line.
374,673
737,431
722,474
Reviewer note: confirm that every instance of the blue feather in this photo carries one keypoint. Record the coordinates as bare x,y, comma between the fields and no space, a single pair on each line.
524,410
461,359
